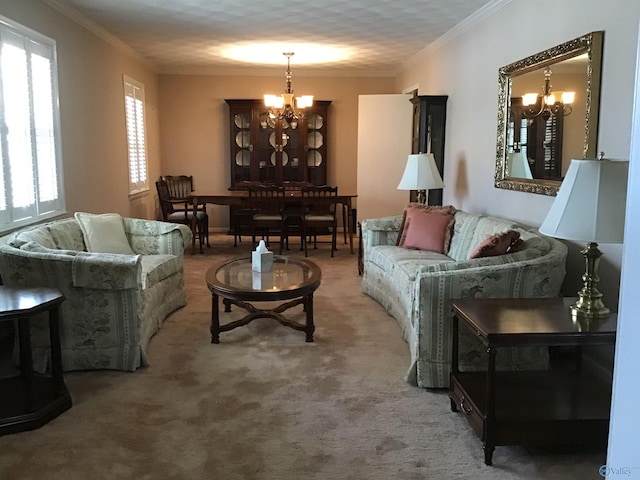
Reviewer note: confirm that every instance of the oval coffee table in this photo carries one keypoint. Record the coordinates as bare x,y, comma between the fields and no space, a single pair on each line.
237,284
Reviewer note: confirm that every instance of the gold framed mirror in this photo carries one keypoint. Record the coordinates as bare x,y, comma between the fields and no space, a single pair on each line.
539,134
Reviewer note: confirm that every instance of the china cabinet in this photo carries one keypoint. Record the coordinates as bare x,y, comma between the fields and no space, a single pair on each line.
272,150
429,120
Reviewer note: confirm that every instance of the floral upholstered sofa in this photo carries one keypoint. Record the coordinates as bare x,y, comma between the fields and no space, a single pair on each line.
415,287
115,302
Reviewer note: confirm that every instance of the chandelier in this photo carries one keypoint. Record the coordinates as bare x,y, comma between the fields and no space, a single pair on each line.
283,106
550,102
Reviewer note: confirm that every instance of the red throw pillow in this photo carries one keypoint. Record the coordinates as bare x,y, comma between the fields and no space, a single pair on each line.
427,231
497,244
421,207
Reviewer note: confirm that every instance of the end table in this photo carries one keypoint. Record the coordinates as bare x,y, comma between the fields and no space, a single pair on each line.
553,407
30,400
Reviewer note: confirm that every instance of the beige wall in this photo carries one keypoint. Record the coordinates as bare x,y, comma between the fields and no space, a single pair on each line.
194,125
91,100
466,69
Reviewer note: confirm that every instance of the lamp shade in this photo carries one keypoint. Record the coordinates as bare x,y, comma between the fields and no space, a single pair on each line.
519,166
590,206
420,173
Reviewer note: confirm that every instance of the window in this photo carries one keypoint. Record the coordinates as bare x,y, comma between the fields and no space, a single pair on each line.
134,109
31,181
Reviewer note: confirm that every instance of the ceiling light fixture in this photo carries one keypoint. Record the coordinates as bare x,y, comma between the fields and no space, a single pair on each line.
284,104
550,102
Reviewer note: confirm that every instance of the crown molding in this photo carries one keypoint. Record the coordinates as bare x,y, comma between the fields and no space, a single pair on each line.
77,17
478,16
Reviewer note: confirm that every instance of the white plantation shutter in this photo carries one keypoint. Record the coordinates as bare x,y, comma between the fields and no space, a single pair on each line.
31,174
137,152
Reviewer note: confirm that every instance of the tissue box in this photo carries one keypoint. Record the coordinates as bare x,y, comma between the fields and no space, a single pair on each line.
261,280
262,262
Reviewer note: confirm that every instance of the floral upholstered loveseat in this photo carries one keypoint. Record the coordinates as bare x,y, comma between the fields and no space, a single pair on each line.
415,287
114,302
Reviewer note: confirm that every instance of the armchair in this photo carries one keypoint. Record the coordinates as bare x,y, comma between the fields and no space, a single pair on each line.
114,302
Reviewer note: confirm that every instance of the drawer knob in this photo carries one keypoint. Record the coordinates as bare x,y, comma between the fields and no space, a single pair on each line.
465,409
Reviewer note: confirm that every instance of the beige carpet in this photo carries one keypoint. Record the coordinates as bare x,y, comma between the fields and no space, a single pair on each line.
263,404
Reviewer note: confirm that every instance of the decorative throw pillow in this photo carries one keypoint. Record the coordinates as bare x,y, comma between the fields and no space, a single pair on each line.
103,233
412,208
425,230
497,244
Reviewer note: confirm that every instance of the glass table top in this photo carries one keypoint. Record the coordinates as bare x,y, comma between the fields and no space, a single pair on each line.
287,274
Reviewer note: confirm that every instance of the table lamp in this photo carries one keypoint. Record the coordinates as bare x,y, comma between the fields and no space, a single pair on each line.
518,165
421,174
590,207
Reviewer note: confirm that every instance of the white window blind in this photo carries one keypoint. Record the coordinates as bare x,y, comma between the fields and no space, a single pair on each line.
137,151
31,187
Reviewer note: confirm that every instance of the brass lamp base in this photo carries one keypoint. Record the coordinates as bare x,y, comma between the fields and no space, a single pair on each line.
589,305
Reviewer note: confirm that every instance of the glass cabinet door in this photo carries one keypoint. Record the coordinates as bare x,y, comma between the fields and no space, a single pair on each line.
316,149
266,149
241,146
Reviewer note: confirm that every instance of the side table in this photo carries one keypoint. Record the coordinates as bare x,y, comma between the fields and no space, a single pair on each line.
30,400
554,407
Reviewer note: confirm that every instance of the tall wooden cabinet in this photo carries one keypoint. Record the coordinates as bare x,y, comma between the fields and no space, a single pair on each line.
429,121
276,151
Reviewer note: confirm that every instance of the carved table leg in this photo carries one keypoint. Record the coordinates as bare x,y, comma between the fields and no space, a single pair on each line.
215,319
308,308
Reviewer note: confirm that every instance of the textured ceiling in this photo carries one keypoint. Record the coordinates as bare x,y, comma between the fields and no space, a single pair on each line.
190,35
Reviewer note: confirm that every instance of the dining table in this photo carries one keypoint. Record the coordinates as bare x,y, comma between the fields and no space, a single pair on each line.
293,197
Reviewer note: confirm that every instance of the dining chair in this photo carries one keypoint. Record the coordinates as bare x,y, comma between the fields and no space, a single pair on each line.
267,212
294,209
181,211
320,214
240,215
180,188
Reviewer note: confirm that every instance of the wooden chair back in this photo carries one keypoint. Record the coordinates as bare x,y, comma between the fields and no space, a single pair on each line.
166,207
178,186
266,199
317,199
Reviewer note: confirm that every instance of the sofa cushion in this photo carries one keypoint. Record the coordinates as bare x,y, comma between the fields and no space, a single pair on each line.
67,234
103,233
39,235
421,207
497,244
158,267
424,230
389,257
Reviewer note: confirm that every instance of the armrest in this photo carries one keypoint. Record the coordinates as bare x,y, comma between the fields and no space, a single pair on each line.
66,269
540,276
151,237
380,231
106,271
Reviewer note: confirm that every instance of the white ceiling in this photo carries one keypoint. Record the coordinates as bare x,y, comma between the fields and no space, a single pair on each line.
188,36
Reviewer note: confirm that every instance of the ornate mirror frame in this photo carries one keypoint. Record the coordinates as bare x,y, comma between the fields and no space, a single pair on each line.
591,44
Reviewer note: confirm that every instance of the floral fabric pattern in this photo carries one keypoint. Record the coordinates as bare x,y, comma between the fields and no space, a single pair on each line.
113,303
416,287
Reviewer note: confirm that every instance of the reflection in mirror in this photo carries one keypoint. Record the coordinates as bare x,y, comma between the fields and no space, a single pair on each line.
548,114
